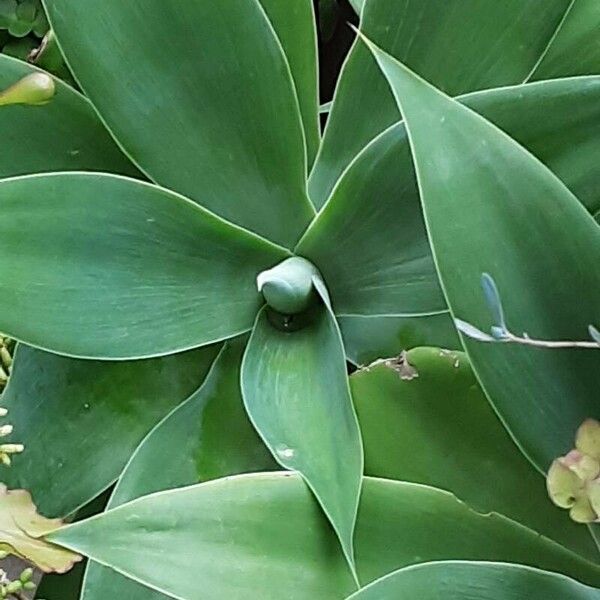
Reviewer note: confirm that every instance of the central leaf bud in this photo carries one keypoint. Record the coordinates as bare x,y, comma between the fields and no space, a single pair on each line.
289,287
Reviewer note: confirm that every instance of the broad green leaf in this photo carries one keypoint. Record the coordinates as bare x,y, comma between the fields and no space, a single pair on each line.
207,436
369,240
63,135
201,97
141,270
264,536
461,46
80,420
511,217
461,580
294,23
574,50
22,532
437,428
368,338
295,390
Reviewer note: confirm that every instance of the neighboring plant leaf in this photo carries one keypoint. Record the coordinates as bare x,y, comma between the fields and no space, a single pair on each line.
141,270
264,536
439,429
201,97
80,420
461,580
206,437
498,221
368,338
369,240
63,135
295,390
21,531
461,46
575,49
294,23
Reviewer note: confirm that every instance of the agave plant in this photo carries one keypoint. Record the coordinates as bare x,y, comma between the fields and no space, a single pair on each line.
189,269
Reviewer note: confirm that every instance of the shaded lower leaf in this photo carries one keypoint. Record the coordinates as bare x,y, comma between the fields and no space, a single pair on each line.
80,420
295,390
143,271
264,535
454,580
438,428
207,436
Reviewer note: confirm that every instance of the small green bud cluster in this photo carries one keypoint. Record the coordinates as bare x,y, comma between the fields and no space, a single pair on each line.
6,349
6,450
13,589
573,480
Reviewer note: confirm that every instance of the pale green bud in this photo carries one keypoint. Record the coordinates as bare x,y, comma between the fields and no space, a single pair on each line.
593,493
3,412
26,575
11,448
288,287
14,586
5,430
588,438
35,89
586,467
582,511
564,486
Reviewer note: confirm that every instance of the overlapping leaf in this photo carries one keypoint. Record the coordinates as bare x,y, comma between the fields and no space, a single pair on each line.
207,436
460,46
492,207
574,50
264,535
424,418
461,580
296,393
294,23
63,135
81,420
140,270
201,97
